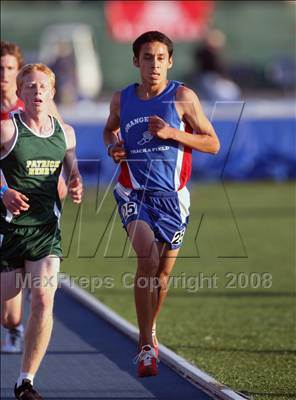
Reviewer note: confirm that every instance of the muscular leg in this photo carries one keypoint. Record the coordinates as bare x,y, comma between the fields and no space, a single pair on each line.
167,259
11,299
44,275
143,241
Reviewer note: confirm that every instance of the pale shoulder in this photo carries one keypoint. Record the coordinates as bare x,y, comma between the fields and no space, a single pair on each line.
185,94
7,130
70,135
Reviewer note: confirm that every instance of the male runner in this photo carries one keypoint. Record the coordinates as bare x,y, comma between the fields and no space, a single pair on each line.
11,60
149,130
34,146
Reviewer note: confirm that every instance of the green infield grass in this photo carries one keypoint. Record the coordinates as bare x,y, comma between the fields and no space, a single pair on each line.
231,305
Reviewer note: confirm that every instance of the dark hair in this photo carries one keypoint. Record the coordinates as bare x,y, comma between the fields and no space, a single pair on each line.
13,50
149,37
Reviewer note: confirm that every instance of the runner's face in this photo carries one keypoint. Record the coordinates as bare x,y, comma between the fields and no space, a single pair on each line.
36,91
154,63
9,70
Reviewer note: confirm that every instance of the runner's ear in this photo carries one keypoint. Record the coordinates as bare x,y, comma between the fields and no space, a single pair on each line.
136,62
53,92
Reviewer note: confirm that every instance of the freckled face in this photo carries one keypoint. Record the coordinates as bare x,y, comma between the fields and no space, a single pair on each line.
36,90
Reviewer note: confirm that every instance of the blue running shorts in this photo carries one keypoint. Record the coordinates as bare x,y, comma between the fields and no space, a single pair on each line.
167,213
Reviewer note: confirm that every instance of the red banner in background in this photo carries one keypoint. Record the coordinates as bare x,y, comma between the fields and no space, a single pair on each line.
179,20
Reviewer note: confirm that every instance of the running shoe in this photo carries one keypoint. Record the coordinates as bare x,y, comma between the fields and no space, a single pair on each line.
13,342
26,391
147,362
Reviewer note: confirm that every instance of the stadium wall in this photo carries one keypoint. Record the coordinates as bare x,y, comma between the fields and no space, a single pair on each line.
258,141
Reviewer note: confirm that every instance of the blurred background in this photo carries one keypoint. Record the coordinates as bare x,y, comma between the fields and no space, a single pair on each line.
242,53
239,56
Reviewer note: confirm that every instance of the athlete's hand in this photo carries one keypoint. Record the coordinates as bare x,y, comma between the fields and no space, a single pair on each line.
117,151
15,202
159,128
76,189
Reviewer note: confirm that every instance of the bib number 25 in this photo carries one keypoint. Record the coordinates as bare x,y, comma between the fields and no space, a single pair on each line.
129,209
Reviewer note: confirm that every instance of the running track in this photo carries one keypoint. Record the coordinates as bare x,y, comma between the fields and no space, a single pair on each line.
89,359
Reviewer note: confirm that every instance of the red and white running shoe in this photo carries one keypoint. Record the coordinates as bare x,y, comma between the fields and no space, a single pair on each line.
147,362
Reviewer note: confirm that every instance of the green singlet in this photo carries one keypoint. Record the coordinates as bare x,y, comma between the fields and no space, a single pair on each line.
32,166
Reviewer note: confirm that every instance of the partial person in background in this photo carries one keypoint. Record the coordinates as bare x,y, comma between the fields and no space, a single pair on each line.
65,72
11,61
210,76
34,147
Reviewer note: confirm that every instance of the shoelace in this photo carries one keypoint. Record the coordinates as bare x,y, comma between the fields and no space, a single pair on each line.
145,355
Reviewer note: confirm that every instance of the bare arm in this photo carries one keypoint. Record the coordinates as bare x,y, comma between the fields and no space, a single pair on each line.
112,128
190,110
7,136
70,165
62,187
14,201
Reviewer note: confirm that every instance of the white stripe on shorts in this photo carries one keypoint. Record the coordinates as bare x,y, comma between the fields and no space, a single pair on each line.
184,202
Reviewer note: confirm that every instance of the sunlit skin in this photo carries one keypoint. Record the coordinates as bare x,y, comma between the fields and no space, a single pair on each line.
9,69
37,94
153,62
36,90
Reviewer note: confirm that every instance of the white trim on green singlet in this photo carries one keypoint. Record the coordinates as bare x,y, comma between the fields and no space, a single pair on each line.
37,134
65,136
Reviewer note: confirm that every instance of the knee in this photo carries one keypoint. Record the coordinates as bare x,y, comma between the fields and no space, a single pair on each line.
10,321
163,280
42,305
